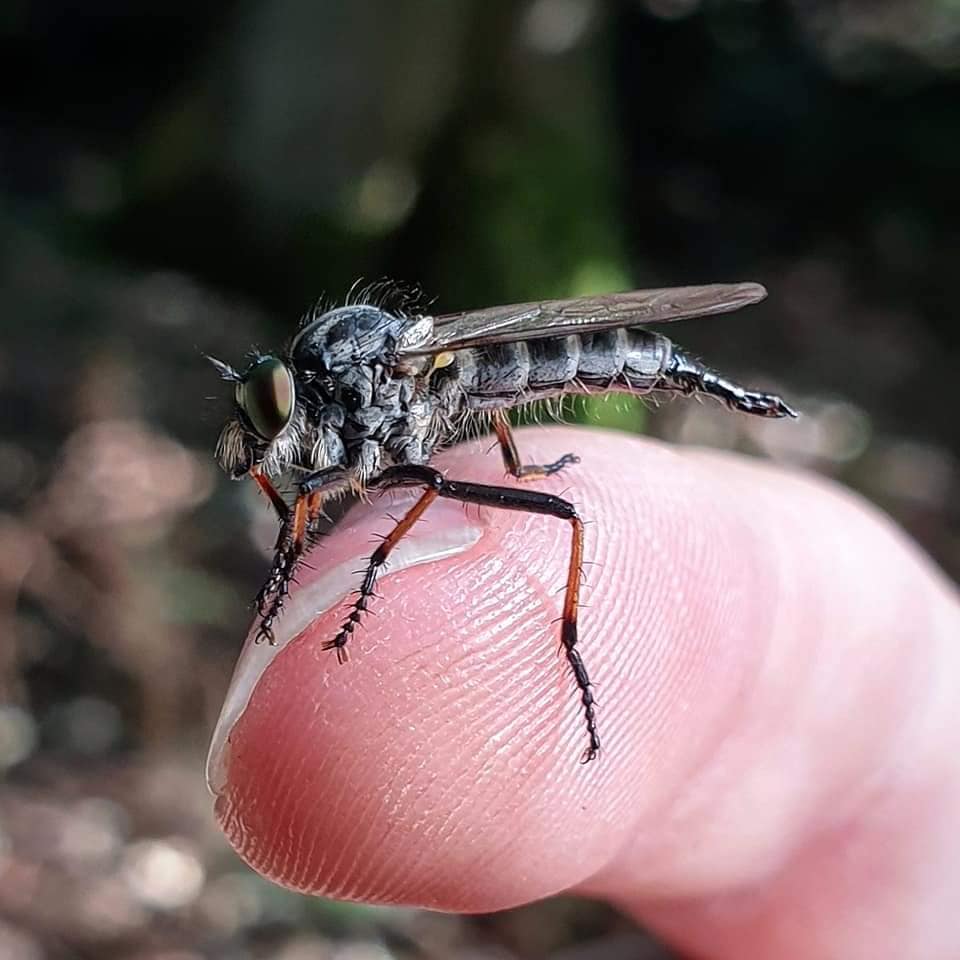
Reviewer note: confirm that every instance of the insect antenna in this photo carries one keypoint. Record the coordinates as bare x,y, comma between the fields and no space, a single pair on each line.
224,369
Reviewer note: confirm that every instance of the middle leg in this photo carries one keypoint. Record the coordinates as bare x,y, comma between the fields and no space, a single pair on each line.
507,498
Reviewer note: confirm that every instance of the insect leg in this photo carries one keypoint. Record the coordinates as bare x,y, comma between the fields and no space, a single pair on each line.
290,547
507,498
270,491
689,376
375,564
273,594
511,456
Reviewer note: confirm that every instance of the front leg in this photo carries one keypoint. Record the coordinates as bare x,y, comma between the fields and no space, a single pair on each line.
270,492
291,545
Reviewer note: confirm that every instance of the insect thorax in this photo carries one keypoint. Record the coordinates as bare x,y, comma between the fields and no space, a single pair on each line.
361,407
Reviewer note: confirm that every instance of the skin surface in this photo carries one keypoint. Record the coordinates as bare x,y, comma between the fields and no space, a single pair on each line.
777,669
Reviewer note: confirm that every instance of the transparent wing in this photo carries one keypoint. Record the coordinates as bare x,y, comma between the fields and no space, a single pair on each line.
559,318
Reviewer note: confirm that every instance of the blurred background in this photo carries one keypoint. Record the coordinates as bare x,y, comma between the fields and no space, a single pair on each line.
182,178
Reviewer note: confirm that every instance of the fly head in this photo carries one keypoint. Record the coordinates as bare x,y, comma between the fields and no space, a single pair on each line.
267,424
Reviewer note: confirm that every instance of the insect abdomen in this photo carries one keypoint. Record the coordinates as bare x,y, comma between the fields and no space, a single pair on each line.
498,375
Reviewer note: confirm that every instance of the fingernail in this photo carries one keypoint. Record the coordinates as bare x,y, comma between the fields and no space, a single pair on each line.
444,532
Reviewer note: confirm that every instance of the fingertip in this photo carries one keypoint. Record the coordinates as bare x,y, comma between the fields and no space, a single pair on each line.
410,775
732,631
439,767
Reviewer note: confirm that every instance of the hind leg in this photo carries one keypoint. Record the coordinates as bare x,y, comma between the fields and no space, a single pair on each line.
511,456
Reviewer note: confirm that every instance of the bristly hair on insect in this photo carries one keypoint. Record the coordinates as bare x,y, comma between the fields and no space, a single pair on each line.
365,394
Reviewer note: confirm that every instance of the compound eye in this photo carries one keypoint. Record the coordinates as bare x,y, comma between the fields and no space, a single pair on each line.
266,396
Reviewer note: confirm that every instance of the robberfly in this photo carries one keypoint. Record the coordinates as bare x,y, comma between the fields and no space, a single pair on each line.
365,394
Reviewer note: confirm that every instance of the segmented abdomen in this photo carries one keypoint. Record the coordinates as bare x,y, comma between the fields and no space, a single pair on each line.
626,360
